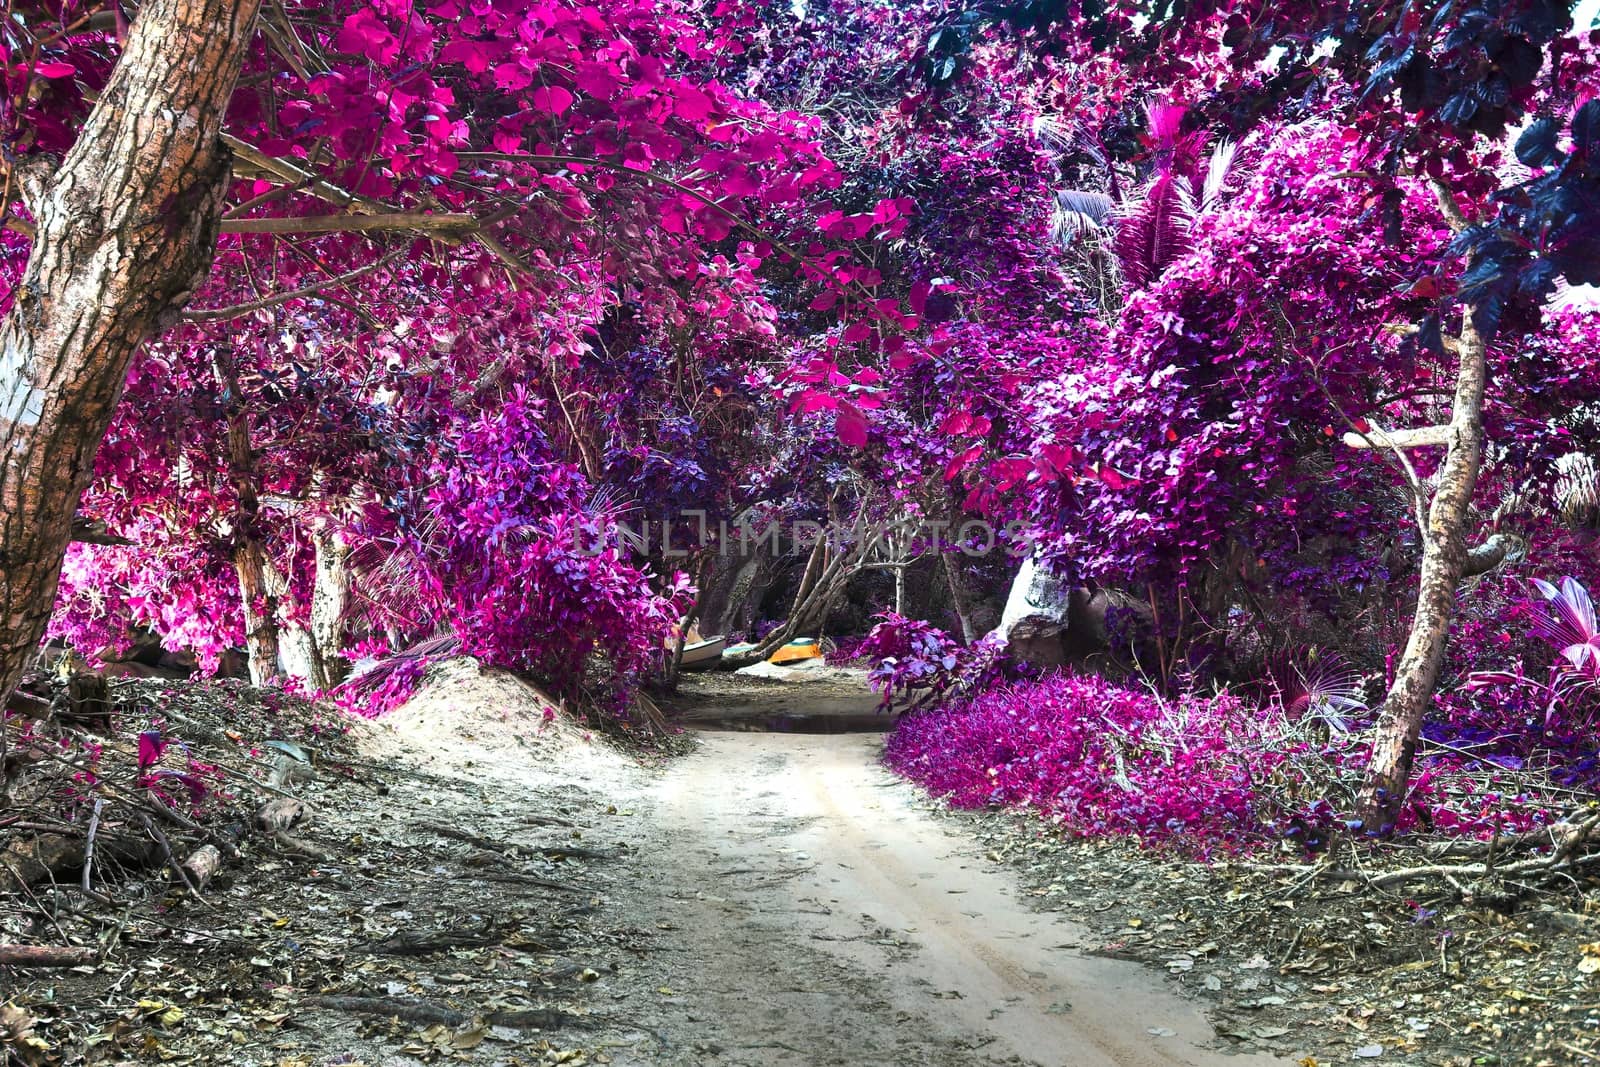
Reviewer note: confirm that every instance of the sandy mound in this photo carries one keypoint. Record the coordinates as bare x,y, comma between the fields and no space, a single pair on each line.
464,715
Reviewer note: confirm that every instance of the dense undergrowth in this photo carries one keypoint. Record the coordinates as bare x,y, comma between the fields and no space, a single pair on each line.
1251,767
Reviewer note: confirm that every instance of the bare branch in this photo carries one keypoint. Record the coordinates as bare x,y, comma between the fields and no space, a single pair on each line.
1447,207
1487,556
1423,437
502,253
273,167
94,532
234,311
454,225
1449,342
32,175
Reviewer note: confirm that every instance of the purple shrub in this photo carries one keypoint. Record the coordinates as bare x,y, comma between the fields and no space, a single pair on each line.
915,662
1100,759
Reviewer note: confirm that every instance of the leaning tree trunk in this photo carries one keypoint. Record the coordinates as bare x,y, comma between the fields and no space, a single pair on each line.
1445,558
976,614
126,228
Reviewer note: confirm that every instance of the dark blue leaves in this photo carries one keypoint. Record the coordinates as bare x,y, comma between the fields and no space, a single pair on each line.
1537,145
1519,59
1586,127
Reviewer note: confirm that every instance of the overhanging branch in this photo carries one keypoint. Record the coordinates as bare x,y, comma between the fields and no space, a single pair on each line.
1423,437
283,170
94,532
455,225
1487,556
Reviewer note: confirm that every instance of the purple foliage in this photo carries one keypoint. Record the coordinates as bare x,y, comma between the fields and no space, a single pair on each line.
914,661
1101,759
1198,772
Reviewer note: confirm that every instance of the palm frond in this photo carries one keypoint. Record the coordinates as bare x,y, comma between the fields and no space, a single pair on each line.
1569,624
1152,231
1218,171
1054,133
1079,211
1165,122
1577,490
1317,684
608,500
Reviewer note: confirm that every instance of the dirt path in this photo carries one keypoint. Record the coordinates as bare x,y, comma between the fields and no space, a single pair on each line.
818,917
773,898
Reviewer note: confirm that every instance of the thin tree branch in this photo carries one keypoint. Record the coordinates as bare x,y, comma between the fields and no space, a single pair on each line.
1421,437
1453,216
236,310
293,174
450,224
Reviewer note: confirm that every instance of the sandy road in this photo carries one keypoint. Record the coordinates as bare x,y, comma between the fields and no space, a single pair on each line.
818,917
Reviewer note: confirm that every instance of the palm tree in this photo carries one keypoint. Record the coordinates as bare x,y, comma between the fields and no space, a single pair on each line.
1152,227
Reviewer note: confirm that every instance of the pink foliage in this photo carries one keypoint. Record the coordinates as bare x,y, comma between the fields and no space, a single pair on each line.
1103,759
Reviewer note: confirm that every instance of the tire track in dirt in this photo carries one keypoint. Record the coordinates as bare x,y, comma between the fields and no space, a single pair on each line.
821,917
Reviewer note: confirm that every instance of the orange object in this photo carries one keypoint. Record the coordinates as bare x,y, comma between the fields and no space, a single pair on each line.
799,649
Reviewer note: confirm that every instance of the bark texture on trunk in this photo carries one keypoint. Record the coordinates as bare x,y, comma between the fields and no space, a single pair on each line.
260,611
1445,556
126,228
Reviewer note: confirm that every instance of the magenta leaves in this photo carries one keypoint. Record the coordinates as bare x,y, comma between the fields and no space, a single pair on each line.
1564,618
1100,759
915,662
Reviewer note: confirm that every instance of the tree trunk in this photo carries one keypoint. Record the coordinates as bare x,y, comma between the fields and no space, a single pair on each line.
733,592
1444,559
257,590
297,656
977,615
260,611
126,228
330,602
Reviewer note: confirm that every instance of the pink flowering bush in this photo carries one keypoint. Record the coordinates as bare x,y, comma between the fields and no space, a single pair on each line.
914,661
1195,772
1102,759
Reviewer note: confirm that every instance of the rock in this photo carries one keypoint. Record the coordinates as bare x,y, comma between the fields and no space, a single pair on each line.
811,670
1036,616
1049,623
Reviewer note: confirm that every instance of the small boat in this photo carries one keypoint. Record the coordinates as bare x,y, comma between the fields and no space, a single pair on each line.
801,648
702,654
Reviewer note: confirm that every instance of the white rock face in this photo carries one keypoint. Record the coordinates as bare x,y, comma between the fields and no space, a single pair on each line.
1035,616
1034,595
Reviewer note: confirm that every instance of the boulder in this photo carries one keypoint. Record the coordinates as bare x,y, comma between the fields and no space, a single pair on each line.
1036,616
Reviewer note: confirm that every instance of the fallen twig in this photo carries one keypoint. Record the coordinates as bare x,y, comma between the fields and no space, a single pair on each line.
44,956
425,942
88,844
533,1019
492,845
513,878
